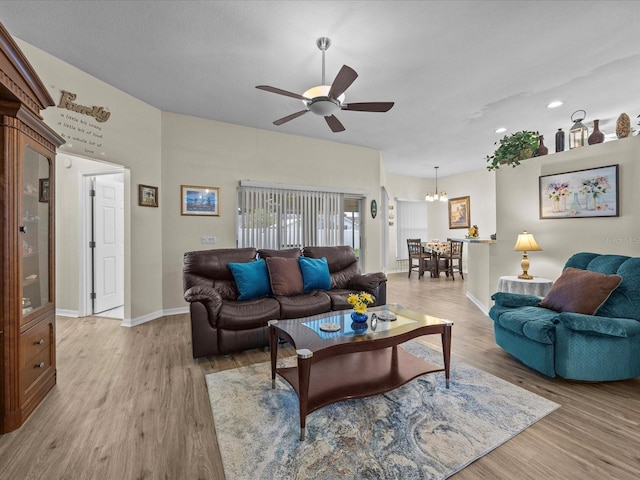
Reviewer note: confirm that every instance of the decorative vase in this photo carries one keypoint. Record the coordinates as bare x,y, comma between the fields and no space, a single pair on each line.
559,140
359,327
575,205
542,148
359,317
623,126
556,204
596,136
591,203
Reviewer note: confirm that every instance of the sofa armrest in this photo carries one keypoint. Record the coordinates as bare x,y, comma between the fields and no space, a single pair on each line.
373,283
207,296
513,300
613,327
367,281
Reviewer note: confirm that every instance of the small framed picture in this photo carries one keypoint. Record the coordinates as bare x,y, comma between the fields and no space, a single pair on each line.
459,212
147,196
43,191
200,200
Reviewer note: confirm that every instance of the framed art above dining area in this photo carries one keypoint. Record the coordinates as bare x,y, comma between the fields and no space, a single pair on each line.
459,212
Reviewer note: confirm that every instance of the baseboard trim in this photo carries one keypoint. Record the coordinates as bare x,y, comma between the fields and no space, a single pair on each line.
68,313
133,322
483,308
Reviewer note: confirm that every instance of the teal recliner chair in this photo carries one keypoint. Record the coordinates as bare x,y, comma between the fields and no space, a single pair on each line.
602,346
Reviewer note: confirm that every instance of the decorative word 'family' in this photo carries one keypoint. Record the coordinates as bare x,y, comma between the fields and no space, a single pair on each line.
66,101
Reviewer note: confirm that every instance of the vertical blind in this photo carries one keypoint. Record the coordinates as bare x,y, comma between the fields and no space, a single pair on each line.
277,218
412,223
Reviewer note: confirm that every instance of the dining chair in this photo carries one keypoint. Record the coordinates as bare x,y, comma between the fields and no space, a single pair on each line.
454,258
417,257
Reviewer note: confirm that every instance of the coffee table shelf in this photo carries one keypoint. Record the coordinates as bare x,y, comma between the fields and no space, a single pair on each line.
357,375
337,366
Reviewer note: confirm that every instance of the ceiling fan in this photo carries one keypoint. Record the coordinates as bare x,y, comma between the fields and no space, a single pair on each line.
324,99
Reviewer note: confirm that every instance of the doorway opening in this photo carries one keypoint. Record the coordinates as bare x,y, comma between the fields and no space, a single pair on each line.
91,235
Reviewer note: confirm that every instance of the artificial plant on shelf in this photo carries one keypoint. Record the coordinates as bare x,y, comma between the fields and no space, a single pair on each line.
513,148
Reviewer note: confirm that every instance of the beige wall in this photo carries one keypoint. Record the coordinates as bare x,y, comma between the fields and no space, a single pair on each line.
216,154
517,210
131,138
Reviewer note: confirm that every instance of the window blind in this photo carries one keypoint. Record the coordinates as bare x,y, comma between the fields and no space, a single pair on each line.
278,218
412,223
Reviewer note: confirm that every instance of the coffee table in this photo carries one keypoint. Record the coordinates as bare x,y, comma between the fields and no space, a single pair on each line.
348,363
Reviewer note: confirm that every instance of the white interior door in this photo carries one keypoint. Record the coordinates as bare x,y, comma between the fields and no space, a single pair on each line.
108,262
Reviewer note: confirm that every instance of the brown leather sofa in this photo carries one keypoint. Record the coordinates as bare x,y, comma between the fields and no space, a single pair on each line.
222,324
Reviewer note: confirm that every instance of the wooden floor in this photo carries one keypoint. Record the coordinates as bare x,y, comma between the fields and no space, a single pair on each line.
131,403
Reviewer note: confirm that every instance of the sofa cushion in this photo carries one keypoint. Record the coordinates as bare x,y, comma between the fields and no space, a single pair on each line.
339,298
285,275
534,323
305,305
580,291
342,261
315,273
252,279
287,252
624,302
248,314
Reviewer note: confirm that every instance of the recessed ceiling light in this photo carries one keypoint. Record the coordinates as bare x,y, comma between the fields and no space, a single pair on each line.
555,104
501,130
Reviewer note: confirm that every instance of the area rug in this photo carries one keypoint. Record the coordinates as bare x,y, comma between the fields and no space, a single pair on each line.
418,431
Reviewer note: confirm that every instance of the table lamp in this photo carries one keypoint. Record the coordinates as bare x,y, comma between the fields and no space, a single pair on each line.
526,243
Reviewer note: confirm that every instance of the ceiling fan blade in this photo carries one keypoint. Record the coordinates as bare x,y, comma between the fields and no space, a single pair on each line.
282,120
346,76
279,91
369,106
334,124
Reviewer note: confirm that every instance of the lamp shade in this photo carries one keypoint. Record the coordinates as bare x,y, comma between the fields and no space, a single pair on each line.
526,243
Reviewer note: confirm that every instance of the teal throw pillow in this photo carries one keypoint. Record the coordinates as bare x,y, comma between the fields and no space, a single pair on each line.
315,273
252,279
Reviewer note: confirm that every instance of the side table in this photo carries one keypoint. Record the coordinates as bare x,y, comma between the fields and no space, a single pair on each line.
536,286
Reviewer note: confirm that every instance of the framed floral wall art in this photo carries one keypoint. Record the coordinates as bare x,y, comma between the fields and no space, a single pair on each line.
592,192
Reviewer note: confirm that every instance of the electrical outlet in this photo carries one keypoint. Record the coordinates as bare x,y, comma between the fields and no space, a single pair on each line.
207,240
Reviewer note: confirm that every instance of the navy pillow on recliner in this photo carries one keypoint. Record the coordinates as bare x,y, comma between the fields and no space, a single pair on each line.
252,279
315,273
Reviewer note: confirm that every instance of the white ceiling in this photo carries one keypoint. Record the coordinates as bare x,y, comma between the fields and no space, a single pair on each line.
456,70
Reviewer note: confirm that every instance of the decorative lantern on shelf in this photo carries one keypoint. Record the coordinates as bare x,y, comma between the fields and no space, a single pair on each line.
578,134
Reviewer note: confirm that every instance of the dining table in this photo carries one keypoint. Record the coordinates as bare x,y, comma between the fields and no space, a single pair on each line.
438,251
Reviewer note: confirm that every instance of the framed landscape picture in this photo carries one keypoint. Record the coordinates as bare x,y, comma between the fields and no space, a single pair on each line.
459,212
592,192
200,200
147,196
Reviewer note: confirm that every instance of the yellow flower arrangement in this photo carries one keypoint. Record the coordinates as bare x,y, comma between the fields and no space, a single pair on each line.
359,301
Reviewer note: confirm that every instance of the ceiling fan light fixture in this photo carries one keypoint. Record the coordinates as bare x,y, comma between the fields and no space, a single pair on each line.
555,104
320,103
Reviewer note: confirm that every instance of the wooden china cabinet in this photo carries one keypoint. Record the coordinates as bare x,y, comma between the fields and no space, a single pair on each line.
27,186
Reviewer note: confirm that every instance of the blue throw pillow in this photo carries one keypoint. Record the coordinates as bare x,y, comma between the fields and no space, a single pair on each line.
315,273
252,279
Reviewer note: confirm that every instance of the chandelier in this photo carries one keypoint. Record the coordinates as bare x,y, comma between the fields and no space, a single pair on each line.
442,196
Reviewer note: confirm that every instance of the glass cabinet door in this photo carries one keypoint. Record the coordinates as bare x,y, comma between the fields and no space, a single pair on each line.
35,231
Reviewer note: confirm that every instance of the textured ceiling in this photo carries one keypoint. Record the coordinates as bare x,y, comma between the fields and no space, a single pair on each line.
456,70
